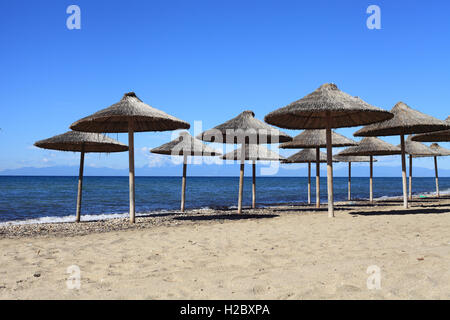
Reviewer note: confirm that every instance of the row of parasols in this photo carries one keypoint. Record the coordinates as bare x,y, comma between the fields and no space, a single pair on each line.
317,113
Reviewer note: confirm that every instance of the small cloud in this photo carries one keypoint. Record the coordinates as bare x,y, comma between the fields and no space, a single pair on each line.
156,160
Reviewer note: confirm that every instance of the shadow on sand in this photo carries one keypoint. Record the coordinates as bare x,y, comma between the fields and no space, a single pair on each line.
409,211
310,209
226,217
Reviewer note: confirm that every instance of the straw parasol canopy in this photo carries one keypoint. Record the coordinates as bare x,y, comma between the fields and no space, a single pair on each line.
416,149
371,146
251,152
81,142
306,156
117,117
438,136
185,145
327,108
349,160
130,115
405,121
327,102
309,156
317,139
245,130
441,152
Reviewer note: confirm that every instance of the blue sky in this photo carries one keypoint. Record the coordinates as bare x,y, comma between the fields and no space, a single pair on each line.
208,61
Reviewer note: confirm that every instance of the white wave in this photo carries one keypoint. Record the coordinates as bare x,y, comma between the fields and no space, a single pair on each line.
71,218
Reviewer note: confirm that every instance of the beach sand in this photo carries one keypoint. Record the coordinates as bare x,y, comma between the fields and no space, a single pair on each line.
285,253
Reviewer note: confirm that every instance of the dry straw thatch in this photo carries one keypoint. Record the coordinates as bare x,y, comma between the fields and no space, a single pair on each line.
244,128
438,136
441,152
129,115
317,139
81,142
343,158
405,121
371,146
311,111
186,144
306,156
253,152
116,118
417,149
327,108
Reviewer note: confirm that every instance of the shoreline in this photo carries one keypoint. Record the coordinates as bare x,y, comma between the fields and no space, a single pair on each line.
277,253
193,216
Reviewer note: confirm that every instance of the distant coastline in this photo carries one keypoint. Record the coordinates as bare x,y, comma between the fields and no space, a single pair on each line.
228,170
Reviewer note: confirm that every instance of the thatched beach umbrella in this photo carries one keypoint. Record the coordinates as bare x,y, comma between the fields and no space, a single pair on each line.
130,115
416,149
405,121
437,136
349,160
317,139
441,152
81,142
186,145
327,108
309,156
252,152
245,130
371,147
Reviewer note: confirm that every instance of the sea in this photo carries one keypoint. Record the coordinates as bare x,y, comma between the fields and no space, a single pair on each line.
36,199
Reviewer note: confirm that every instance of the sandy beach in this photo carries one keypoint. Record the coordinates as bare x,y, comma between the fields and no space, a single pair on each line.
283,252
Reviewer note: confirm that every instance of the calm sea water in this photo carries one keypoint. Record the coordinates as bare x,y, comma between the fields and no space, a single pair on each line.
47,199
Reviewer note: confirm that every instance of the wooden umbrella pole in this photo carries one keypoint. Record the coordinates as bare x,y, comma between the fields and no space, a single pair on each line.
329,168
349,181
317,177
254,185
309,182
183,183
405,191
80,185
410,176
241,178
131,169
371,179
437,176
